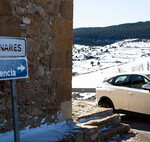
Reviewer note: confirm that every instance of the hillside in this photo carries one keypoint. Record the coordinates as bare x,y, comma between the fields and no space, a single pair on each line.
108,35
91,64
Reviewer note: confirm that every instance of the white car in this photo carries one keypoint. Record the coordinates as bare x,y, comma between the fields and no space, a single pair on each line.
129,92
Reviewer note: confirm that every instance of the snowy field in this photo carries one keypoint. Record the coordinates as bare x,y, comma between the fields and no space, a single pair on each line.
92,64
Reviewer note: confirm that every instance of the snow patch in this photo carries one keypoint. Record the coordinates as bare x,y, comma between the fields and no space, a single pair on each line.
44,133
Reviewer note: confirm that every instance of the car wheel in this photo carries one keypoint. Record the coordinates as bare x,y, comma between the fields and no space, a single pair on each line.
106,103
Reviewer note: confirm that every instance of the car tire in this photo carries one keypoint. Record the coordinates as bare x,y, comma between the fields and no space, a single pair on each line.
106,103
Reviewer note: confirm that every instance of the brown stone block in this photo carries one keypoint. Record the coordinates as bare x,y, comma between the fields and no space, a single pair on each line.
35,111
43,61
46,28
2,118
2,100
58,59
66,10
64,91
8,104
32,46
3,108
21,11
53,6
42,3
21,100
62,27
5,8
69,1
23,116
19,85
6,86
33,32
65,76
69,59
36,21
32,74
64,42
9,26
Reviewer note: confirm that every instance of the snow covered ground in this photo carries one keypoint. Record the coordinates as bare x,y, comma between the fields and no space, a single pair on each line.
92,64
44,133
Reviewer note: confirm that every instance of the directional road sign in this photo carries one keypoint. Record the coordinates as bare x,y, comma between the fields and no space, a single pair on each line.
13,68
12,47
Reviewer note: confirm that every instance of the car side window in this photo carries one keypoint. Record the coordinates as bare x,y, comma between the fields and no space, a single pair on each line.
138,81
123,80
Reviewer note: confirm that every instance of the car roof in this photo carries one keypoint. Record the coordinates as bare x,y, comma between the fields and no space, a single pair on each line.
127,73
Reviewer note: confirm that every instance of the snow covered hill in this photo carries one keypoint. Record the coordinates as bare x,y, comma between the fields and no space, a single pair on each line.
92,63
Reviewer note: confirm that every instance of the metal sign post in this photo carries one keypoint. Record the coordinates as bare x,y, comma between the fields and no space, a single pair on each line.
15,111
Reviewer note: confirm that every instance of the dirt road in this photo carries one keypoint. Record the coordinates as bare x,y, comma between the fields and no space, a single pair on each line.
140,126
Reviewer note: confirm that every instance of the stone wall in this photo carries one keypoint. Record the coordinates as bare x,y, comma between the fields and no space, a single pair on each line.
45,97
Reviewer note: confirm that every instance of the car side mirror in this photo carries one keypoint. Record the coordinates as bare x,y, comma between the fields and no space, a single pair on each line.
146,87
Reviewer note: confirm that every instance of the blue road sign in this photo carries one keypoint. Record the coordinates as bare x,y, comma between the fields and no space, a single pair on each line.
13,68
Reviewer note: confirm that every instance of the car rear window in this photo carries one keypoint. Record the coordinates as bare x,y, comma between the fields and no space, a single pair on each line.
110,80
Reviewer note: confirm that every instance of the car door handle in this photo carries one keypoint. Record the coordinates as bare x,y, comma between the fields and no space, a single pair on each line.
130,93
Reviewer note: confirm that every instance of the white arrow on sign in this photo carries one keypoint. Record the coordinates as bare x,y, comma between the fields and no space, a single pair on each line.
21,68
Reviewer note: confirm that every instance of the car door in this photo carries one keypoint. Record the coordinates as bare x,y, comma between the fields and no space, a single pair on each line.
119,92
138,98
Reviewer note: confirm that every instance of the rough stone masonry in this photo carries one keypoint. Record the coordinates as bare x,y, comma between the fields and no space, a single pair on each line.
45,97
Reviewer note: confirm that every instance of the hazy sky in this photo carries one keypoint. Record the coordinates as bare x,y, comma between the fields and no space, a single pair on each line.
101,13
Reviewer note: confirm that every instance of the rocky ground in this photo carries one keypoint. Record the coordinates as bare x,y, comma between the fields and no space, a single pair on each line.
134,135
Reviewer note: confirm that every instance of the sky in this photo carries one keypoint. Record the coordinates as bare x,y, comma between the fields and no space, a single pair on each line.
102,13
